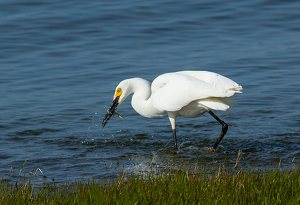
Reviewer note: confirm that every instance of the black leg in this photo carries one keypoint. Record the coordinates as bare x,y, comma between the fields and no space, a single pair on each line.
175,140
224,129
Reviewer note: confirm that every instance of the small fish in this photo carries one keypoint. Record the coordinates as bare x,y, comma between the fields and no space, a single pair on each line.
115,114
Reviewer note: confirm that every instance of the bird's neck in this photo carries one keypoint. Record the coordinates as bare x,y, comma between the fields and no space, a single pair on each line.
141,99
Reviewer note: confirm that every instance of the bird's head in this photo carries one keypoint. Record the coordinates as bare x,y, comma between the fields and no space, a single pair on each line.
121,93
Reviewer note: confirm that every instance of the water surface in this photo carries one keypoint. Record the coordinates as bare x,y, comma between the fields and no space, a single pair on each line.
61,61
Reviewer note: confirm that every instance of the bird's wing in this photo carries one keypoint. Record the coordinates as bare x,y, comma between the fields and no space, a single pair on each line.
218,81
172,91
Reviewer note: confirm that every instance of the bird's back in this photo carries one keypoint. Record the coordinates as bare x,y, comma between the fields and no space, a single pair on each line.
172,91
220,82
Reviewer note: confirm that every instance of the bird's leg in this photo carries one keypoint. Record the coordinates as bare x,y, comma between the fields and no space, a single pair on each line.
172,118
224,129
175,140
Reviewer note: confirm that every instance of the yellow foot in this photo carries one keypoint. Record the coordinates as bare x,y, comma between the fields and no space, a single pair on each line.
209,150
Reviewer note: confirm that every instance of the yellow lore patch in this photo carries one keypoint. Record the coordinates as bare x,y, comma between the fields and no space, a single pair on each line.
118,92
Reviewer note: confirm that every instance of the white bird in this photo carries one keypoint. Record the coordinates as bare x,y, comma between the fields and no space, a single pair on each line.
186,93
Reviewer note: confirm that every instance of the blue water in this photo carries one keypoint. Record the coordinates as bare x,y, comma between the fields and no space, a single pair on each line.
60,62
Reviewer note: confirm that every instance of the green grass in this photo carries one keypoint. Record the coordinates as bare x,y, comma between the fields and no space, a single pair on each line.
198,186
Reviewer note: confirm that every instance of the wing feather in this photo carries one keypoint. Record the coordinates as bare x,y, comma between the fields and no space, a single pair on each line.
172,91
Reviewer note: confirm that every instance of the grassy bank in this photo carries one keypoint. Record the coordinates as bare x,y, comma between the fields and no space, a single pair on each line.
198,186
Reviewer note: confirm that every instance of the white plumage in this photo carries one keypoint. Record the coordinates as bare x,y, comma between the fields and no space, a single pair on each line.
186,93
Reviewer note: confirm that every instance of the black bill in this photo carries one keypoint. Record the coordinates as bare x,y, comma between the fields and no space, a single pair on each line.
111,110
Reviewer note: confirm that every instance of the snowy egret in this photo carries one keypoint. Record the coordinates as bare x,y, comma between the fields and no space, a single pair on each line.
186,93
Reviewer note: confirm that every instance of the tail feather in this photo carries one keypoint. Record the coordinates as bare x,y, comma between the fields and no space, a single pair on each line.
238,89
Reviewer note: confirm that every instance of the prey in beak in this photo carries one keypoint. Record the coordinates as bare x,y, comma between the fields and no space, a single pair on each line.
112,110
